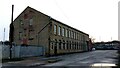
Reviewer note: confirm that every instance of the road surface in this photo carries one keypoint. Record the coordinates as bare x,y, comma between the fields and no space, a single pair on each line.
98,57
82,60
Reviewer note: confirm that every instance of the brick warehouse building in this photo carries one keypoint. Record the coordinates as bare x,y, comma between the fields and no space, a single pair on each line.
34,28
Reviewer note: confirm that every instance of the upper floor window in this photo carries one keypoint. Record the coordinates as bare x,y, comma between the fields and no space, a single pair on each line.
80,37
69,33
59,30
21,22
66,33
31,21
76,36
55,29
63,31
20,35
72,34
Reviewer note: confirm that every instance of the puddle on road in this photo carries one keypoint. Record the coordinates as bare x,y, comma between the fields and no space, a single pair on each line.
103,64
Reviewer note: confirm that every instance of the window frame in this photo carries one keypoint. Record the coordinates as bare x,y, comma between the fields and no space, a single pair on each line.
55,29
59,30
63,31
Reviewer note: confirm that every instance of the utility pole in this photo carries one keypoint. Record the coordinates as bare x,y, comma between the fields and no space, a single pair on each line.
111,38
4,36
11,32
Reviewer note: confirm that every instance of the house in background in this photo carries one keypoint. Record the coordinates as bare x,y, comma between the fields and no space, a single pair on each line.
33,28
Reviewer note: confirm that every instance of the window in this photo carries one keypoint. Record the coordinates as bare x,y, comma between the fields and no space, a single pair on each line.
72,34
21,22
55,29
80,37
60,44
31,33
83,38
67,45
77,45
76,36
69,33
63,44
66,33
59,30
63,31
30,21
70,45
20,35
52,45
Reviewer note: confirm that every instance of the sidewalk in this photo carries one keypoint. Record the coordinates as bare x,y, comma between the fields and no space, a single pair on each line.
32,61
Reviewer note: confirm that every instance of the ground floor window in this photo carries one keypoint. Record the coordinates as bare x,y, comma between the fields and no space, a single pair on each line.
63,45
60,44
67,45
52,45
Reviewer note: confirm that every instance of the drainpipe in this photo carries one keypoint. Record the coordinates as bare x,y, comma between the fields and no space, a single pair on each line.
49,37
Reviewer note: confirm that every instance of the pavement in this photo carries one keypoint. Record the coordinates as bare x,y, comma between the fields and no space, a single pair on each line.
32,61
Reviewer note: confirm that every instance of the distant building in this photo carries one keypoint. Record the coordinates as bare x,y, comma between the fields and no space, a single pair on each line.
107,45
32,27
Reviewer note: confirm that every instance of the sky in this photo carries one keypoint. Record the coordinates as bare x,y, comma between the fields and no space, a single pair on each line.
98,18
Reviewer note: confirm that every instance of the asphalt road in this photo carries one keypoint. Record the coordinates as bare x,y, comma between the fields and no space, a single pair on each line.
98,57
82,60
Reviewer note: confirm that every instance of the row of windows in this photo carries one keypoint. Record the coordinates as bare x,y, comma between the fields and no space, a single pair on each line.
29,22
24,27
61,31
66,45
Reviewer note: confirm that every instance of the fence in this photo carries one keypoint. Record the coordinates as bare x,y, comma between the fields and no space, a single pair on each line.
19,51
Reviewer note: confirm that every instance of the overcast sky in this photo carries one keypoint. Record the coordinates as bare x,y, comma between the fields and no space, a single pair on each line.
98,18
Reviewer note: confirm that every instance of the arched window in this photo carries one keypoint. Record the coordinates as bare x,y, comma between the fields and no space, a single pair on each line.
60,44
55,42
63,44
70,44
52,45
67,45
77,45
73,45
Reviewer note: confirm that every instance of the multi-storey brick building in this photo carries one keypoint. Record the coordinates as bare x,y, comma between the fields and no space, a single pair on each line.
32,27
